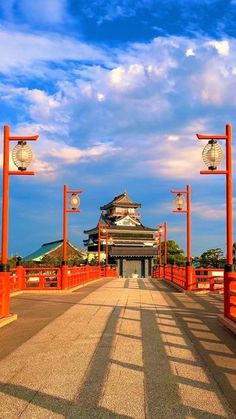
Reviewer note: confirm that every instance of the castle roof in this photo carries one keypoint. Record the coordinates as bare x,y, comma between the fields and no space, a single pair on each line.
122,200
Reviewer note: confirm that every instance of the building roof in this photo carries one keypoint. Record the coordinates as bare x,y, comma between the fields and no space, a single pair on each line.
47,248
133,251
122,200
112,228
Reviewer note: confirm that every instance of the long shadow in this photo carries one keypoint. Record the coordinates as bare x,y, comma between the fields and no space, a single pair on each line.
219,360
53,404
126,283
162,386
87,399
36,312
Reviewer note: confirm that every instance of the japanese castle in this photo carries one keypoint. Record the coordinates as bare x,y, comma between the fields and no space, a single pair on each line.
133,247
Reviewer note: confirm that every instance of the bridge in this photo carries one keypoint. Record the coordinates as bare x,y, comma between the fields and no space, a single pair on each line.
117,348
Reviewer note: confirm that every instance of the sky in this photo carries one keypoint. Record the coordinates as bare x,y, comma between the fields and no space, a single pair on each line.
117,91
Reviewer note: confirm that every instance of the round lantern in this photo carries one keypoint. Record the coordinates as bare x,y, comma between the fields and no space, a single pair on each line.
179,202
74,201
22,155
212,155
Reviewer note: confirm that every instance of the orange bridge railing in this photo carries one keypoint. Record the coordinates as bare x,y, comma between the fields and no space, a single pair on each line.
23,279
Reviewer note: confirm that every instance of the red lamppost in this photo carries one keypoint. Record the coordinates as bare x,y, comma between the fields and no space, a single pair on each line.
104,231
162,228
212,156
22,157
69,205
180,208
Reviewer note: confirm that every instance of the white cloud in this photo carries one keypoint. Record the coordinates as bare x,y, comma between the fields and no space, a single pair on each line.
71,155
146,101
208,212
173,138
222,47
28,52
189,52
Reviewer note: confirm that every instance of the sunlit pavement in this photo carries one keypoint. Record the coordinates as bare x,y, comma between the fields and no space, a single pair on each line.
120,348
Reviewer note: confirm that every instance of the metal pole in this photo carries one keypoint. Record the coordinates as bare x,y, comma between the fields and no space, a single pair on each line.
4,267
165,246
189,224
165,230
189,275
160,258
106,247
64,259
229,196
5,196
99,243
229,220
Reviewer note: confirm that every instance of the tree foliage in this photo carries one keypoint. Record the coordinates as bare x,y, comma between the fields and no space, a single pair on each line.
175,255
213,258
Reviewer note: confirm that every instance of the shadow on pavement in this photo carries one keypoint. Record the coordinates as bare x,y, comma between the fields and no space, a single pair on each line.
197,316
37,311
175,339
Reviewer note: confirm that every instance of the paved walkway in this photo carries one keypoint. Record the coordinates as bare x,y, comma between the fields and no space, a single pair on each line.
117,349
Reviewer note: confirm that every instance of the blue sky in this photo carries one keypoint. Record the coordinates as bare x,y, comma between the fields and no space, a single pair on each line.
117,91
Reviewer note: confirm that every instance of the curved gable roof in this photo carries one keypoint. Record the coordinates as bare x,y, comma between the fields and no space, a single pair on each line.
122,200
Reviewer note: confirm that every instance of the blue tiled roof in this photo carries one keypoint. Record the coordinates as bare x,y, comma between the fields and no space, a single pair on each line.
44,250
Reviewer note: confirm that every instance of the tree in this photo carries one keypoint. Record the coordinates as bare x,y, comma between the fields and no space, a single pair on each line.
94,261
50,261
12,261
175,255
213,258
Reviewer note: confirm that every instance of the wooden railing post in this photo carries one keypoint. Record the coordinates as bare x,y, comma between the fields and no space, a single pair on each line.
20,275
64,277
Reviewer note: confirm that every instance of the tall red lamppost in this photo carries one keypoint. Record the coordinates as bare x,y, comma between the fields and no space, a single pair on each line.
69,205
99,243
22,157
159,231
179,202
157,241
101,229
212,156
162,228
103,234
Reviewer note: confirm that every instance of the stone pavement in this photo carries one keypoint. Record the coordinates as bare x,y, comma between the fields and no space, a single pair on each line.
117,349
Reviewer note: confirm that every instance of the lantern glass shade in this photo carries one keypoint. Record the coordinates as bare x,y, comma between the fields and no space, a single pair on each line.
179,202
22,155
160,229
104,230
212,155
74,201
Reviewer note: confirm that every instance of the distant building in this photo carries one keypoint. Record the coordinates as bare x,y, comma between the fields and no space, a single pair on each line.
54,249
134,248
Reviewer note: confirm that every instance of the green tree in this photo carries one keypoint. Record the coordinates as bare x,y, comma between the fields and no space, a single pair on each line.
175,255
94,261
51,261
76,261
213,258
12,261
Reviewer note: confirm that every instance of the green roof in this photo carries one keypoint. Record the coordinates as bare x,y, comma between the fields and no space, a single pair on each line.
44,250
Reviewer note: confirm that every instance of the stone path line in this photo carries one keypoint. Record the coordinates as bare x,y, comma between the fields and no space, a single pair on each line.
120,348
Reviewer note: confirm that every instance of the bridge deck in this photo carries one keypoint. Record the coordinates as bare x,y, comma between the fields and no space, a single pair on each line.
117,349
